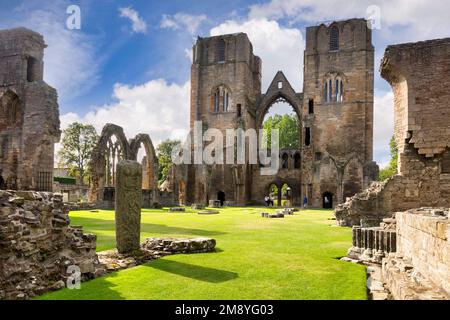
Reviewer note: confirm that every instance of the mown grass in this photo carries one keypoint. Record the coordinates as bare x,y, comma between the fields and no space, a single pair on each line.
291,258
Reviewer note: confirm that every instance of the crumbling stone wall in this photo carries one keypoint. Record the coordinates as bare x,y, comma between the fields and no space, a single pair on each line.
37,245
29,116
419,75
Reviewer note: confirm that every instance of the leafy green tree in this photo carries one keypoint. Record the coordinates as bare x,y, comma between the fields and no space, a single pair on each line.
288,127
76,148
164,154
391,168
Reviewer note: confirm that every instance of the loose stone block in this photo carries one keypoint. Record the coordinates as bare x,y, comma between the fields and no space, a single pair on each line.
128,205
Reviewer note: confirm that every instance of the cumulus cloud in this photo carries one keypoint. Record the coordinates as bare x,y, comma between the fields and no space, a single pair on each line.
137,23
279,48
157,108
184,21
70,59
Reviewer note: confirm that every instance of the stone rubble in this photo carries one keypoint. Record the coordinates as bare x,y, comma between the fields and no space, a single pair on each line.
37,245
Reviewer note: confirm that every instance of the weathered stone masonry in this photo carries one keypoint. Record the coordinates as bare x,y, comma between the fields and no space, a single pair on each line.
29,117
37,245
419,74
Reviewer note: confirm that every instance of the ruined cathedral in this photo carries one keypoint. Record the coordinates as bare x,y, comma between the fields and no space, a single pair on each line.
334,109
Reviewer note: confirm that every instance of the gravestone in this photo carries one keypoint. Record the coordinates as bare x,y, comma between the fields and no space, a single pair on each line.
128,205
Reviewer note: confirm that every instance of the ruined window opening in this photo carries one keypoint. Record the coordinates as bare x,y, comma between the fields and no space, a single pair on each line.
280,85
311,106
285,161
31,69
10,110
318,156
307,136
326,92
330,90
239,110
220,51
334,39
297,161
216,101
445,164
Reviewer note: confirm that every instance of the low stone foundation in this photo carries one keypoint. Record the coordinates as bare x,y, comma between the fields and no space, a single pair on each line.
413,254
176,245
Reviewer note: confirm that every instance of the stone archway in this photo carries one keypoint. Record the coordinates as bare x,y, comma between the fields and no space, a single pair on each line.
150,172
99,161
279,89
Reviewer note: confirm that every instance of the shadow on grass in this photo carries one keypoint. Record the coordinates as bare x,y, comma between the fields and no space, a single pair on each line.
200,273
99,224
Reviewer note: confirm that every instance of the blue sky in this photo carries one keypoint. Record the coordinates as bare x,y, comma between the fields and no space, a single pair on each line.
129,64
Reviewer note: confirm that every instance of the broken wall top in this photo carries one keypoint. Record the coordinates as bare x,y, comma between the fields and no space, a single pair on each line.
419,74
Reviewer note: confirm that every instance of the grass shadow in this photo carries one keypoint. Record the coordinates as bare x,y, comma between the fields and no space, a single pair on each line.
200,273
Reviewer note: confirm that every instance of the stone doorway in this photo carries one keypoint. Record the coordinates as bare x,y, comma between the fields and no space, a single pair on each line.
221,197
327,200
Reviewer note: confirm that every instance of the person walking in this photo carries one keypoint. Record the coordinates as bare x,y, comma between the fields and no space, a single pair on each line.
305,202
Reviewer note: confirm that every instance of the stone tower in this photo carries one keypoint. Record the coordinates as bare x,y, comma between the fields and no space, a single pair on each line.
225,85
338,111
29,117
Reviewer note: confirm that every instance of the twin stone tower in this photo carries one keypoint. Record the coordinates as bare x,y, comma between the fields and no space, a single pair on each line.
335,113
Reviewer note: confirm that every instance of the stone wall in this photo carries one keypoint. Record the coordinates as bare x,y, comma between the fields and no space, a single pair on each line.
29,115
419,75
423,241
37,245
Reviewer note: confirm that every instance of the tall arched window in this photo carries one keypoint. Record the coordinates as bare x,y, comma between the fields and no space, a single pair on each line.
216,101
330,90
334,39
297,161
11,112
221,99
339,90
220,51
325,96
285,161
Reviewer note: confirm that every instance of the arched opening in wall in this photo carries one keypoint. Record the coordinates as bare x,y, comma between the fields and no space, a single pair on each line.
181,193
285,161
32,69
274,194
327,199
311,106
297,161
286,195
220,50
281,115
221,197
11,110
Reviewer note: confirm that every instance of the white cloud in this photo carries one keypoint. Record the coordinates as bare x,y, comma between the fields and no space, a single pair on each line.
183,21
383,126
279,48
138,24
157,108
417,19
70,59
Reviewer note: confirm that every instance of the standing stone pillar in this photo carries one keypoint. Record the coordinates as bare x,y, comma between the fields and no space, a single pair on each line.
128,205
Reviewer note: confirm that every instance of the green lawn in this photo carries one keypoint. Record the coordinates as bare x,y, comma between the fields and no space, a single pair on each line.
291,258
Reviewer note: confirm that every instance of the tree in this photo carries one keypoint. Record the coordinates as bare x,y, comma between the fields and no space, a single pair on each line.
76,148
288,127
164,154
391,168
